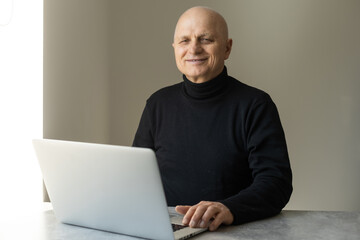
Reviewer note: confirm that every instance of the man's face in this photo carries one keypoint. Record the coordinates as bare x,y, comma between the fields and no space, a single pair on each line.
201,47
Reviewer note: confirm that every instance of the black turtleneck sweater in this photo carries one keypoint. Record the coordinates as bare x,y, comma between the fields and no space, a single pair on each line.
218,141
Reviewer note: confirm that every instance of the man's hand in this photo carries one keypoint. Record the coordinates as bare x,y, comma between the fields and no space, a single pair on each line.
206,214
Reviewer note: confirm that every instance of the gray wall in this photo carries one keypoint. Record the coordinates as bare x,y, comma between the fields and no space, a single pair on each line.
76,70
102,60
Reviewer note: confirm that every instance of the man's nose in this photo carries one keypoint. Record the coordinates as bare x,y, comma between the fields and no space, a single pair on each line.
195,47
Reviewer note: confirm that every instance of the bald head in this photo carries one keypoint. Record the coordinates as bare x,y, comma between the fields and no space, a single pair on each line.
204,14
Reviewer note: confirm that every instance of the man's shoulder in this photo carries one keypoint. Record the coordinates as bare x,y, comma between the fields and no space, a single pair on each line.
246,92
165,93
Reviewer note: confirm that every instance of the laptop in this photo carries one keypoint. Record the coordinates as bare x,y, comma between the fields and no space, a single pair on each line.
111,188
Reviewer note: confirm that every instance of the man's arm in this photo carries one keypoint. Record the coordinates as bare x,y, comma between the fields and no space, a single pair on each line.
271,174
144,134
269,162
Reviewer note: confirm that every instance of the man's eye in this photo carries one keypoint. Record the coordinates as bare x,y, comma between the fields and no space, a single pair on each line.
206,40
184,41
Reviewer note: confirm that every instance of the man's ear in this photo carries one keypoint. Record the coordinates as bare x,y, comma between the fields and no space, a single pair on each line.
228,48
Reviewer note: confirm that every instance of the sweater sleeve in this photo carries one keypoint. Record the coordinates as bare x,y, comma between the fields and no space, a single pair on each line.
144,133
269,163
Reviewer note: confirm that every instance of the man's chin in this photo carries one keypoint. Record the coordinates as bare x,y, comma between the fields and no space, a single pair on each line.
196,76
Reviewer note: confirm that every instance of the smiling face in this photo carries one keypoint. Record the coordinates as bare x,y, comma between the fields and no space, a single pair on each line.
201,44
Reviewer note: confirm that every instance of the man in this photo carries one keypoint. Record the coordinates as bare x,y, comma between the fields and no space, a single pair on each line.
219,143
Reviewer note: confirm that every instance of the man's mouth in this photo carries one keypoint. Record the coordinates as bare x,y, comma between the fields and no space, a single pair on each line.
196,60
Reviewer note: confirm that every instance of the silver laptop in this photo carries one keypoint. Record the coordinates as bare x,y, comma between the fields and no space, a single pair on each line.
106,187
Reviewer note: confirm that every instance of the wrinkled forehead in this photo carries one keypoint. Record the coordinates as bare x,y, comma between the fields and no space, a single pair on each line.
191,28
200,23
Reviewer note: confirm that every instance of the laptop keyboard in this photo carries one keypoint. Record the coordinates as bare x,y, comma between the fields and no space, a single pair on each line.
177,227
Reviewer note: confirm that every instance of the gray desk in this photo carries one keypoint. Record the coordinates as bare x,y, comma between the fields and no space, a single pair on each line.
288,225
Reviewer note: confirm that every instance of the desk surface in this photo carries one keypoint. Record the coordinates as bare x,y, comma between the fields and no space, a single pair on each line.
42,225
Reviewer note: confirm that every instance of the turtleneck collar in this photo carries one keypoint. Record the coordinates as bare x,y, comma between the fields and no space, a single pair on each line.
206,90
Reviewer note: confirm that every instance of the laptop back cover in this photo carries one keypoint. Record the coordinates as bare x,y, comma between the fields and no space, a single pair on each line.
106,187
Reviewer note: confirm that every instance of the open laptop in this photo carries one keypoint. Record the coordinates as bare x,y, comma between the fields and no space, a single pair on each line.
106,187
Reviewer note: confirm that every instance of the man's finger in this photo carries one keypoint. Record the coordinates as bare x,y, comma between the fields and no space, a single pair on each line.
196,218
210,214
190,212
182,209
219,219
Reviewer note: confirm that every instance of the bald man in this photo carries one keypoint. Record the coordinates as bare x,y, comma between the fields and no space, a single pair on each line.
219,143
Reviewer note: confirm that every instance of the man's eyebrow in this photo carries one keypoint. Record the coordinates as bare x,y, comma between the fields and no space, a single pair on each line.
199,36
205,35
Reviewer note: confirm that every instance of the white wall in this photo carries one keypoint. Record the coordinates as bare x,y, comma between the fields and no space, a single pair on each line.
21,74
104,58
